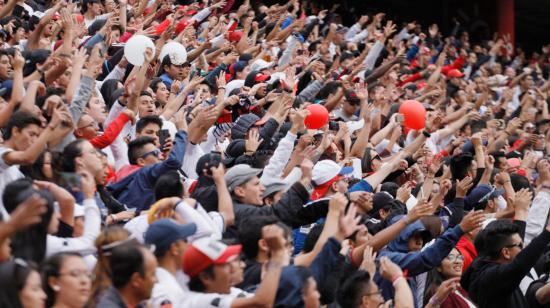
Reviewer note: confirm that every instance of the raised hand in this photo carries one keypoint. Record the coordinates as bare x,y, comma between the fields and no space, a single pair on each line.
472,220
348,222
28,213
368,264
421,209
389,270
463,186
253,141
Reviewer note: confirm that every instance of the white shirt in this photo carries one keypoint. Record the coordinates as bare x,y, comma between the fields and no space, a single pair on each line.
138,226
167,290
8,174
211,300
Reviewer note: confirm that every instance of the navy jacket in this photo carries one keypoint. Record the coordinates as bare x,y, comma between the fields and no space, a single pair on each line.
137,189
416,263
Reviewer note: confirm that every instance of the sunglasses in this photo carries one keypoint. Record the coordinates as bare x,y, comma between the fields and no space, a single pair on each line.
155,152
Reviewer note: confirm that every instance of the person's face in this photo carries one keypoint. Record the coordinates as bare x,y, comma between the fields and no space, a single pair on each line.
513,248
376,162
237,271
347,63
451,266
146,106
276,198
97,110
64,79
362,236
6,70
527,83
472,59
74,282
87,127
150,155
151,130
221,282
25,137
32,295
115,35
341,185
311,295
251,192
19,34
162,93
109,5
502,163
349,108
415,243
91,160
149,278
202,92
96,8
177,72
372,298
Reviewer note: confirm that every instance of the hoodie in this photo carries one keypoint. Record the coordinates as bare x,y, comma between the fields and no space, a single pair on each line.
416,262
504,279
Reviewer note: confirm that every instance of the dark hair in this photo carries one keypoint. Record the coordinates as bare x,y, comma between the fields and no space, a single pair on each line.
330,88
433,281
50,91
34,171
70,152
13,277
195,283
107,90
519,182
20,119
494,237
142,122
154,83
168,185
51,268
391,188
135,146
353,288
29,244
126,260
250,232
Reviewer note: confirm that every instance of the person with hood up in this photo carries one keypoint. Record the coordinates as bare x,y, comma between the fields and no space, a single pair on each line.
406,250
502,262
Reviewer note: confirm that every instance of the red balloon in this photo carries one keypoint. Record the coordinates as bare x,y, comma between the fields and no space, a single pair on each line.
414,114
317,118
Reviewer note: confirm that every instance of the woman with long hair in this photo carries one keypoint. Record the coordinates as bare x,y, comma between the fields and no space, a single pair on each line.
104,242
66,280
20,285
449,269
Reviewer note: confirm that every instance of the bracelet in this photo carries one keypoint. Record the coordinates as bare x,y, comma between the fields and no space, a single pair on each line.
395,280
426,134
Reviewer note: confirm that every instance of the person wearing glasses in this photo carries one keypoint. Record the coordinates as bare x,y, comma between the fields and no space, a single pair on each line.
66,280
450,269
493,279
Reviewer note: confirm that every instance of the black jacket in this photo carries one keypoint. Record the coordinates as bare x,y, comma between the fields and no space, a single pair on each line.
491,284
290,209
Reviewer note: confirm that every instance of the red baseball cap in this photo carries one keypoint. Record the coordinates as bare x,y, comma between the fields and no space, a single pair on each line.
235,36
205,252
455,73
261,77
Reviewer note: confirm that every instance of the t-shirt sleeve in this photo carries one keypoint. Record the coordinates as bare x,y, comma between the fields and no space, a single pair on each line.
3,165
218,220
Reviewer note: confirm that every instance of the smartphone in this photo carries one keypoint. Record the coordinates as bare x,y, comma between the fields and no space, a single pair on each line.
400,118
333,125
70,180
500,123
163,135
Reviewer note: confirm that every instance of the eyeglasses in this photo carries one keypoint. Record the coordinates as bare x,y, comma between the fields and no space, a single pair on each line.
454,258
520,245
77,274
155,152
377,292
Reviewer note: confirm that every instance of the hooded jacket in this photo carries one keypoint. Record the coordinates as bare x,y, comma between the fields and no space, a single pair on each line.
503,279
416,262
136,189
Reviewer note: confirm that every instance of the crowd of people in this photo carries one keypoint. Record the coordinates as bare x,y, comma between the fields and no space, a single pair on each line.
196,181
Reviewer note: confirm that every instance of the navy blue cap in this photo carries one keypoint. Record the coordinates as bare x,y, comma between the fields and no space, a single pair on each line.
482,193
164,232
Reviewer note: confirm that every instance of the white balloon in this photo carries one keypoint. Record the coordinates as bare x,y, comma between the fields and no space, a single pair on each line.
134,50
177,52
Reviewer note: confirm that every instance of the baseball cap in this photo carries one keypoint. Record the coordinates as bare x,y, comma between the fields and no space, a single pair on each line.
205,252
455,73
482,193
164,232
235,36
240,174
260,65
273,187
352,98
324,173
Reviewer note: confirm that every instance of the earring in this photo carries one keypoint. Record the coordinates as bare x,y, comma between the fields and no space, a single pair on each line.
56,288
